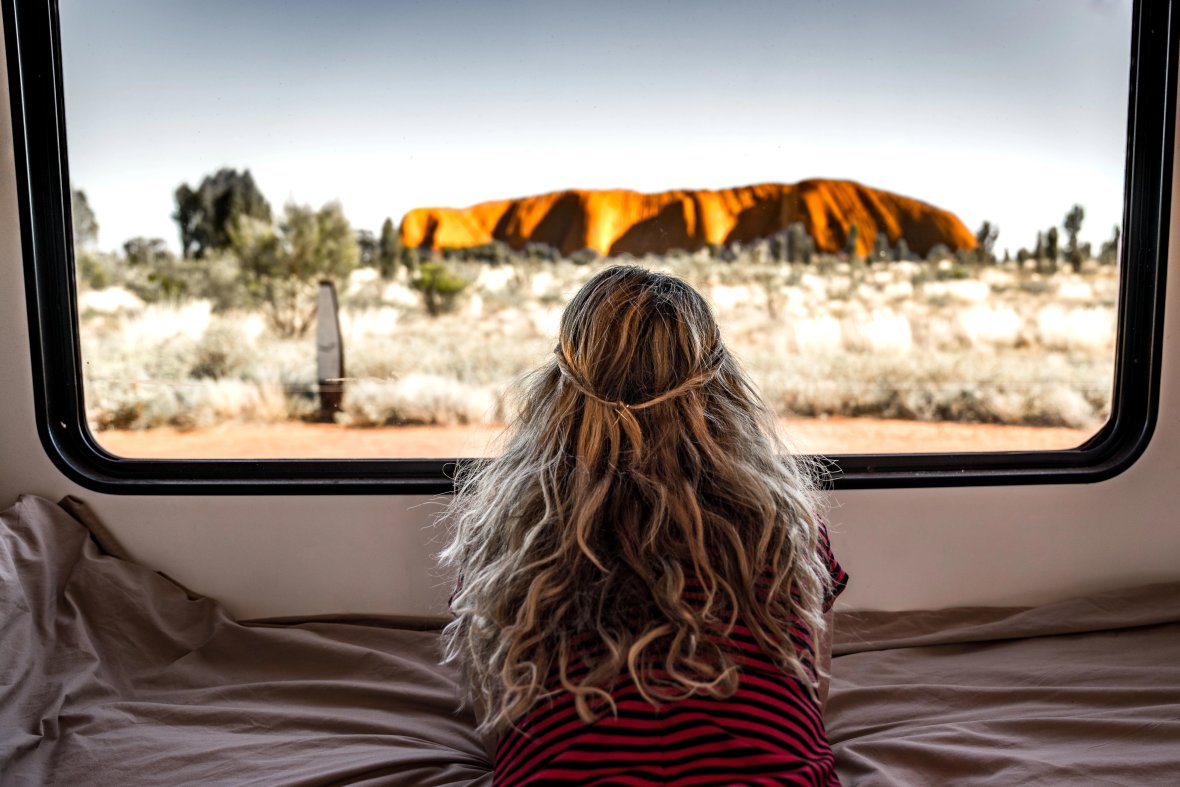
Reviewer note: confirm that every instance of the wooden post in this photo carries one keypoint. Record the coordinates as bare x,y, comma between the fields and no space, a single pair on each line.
329,352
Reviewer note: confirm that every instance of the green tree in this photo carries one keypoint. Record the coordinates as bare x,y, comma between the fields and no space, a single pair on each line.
793,243
283,265
389,248
1051,248
207,215
1110,248
985,242
93,269
145,252
368,248
901,251
1073,225
85,225
852,241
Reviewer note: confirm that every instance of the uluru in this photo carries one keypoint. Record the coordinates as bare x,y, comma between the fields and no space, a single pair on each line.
620,221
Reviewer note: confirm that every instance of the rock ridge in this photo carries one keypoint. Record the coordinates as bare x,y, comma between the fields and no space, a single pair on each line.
621,221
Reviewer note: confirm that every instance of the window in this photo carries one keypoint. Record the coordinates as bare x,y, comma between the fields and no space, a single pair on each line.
932,233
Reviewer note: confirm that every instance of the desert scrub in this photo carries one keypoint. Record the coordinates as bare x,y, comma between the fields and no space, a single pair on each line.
419,399
1030,390
879,339
184,366
440,287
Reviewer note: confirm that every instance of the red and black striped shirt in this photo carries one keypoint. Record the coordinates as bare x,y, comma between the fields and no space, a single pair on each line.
770,732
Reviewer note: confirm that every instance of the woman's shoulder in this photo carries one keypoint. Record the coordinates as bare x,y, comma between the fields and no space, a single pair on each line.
839,577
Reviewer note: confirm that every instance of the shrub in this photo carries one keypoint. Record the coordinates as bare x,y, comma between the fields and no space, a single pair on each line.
585,256
541,251
282,266
221,352
98,271
938,252
440,287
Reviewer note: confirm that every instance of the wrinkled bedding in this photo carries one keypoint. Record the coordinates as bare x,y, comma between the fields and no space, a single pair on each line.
1081,692
112,674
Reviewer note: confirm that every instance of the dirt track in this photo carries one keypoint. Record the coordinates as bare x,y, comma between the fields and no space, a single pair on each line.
299,440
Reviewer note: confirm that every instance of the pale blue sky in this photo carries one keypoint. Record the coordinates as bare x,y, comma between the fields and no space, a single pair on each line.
1008,110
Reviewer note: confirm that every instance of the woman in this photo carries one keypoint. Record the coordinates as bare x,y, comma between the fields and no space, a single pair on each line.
643,575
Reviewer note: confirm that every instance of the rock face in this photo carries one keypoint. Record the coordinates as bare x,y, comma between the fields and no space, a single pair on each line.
619,221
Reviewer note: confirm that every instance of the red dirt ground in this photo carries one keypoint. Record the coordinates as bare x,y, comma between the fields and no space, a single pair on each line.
328,441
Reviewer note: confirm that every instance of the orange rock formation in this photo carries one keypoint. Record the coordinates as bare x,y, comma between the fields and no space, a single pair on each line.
619,221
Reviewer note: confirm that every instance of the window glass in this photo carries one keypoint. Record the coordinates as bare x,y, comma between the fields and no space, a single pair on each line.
906,215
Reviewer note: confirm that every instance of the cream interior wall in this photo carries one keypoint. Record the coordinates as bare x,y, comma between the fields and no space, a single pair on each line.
911,548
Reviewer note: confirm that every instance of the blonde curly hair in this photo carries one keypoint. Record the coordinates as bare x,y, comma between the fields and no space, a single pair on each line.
642,462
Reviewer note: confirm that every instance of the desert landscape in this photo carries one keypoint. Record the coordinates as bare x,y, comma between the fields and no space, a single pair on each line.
871,348
940,358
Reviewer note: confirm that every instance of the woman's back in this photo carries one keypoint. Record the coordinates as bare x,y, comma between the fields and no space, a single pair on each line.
769,732
643,565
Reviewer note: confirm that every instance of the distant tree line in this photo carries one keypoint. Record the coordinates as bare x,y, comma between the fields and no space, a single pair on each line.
236,253
1047,251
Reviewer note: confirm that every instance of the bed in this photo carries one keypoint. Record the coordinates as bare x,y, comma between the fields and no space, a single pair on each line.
111,673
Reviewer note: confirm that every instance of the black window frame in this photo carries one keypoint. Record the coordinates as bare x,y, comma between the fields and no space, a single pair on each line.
33,50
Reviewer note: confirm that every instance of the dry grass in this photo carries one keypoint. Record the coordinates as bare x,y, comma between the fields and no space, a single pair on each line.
925,341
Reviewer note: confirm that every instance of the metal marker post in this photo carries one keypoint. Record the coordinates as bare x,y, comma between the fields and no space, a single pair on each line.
329,352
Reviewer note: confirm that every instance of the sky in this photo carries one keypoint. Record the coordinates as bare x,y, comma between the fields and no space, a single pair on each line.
1005,110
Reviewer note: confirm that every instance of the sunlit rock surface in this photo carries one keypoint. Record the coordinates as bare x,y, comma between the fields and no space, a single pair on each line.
619,221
